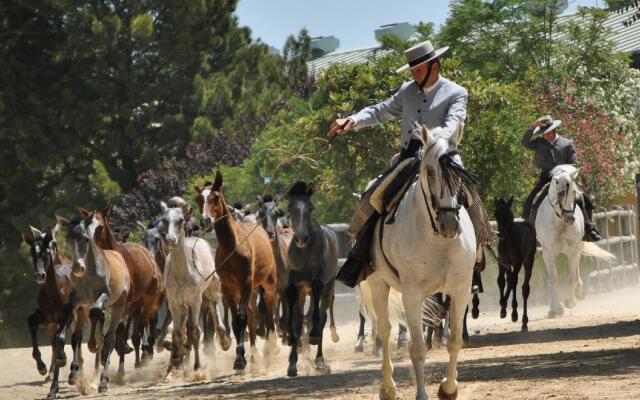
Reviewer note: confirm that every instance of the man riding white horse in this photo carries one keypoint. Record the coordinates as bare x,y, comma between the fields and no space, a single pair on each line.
428,99
552,150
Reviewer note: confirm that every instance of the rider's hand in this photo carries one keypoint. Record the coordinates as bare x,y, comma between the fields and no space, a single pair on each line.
340,126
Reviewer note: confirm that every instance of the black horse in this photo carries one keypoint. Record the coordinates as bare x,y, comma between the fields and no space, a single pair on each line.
313,263
516,246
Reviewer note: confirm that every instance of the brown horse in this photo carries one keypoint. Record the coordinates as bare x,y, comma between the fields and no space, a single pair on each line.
52,273
245,264
146,290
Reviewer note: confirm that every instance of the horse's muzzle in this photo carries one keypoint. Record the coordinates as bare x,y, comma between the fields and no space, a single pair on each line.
40,277
78,268
301,239
448,225
568,219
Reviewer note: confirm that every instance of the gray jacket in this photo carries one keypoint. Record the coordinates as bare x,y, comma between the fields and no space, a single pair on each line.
549,155
443,105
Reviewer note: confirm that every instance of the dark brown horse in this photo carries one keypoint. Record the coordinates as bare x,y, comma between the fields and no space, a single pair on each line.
52,273
245,264
146,287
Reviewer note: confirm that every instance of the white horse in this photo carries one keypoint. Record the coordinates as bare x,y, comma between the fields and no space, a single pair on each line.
432,247
559,229
189,263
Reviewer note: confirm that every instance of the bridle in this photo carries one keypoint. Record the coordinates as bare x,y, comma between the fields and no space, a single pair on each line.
430,200
560,196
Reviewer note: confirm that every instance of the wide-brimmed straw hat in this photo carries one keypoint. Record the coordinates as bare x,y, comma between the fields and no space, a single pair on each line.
547,125
420,54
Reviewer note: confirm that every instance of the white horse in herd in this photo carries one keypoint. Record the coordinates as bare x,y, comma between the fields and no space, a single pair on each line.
559,229
432,248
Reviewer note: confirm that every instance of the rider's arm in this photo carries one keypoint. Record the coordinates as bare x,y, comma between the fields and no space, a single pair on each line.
572,155
388,110
457,112
526,139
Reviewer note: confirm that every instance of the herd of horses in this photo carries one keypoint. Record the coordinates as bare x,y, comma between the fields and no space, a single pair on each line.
174,287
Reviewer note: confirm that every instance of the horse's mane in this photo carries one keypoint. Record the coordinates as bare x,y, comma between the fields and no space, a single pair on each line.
298,189
563,168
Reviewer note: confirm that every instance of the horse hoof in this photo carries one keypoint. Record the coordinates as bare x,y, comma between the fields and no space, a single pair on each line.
42,368
225,343
61,361
315,340
388,393
292,371
444,396
239,365
93,347
402,342
503,313
570,303
103,387
320,363
514,317
239,372
465,338
525,328
334,335
475,313
51,395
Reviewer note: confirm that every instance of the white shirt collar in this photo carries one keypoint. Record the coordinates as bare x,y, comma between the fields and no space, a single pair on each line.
432,87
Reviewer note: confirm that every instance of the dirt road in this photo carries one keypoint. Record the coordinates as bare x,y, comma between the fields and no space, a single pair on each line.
593,352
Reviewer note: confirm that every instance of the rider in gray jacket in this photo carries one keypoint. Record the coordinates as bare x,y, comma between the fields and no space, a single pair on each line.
552,150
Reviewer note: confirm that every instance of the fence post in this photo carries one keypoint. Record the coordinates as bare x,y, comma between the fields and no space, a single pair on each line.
637,221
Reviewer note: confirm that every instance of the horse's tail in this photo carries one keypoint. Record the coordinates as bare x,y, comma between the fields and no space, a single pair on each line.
395,307
593,250
432,312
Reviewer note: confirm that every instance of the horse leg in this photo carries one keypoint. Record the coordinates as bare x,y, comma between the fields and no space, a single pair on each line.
35,320
315,336
60,337
449,385
136,339
412,299
380,306
555,308
325,303
574,265
177,336
359,346
219,328
270,343
109,340
295,326
76,345
503,301
239,320
162,322
332,325
475,310
194,316
254,320
402,336
465,331
526,289
514,285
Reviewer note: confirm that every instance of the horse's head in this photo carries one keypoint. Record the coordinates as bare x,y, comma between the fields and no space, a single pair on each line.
203,192
269,214
563,191
213,205
175,221
504,215
152,238
300,208
78,237
43,247
442,172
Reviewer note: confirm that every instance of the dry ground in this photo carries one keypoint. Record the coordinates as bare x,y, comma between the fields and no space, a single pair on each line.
593,352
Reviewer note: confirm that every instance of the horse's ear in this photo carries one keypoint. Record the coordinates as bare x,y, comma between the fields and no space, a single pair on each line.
187,215
107,210
26,237
62,221
310,189
456,137
217,183
35,232
424,135
198,188
55,230
164,206
84,213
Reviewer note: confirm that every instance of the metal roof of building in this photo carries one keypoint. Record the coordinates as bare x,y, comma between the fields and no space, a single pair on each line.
349,57
626,38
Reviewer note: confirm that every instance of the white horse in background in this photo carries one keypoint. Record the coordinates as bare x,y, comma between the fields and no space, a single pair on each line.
559,229
188,265
432,246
